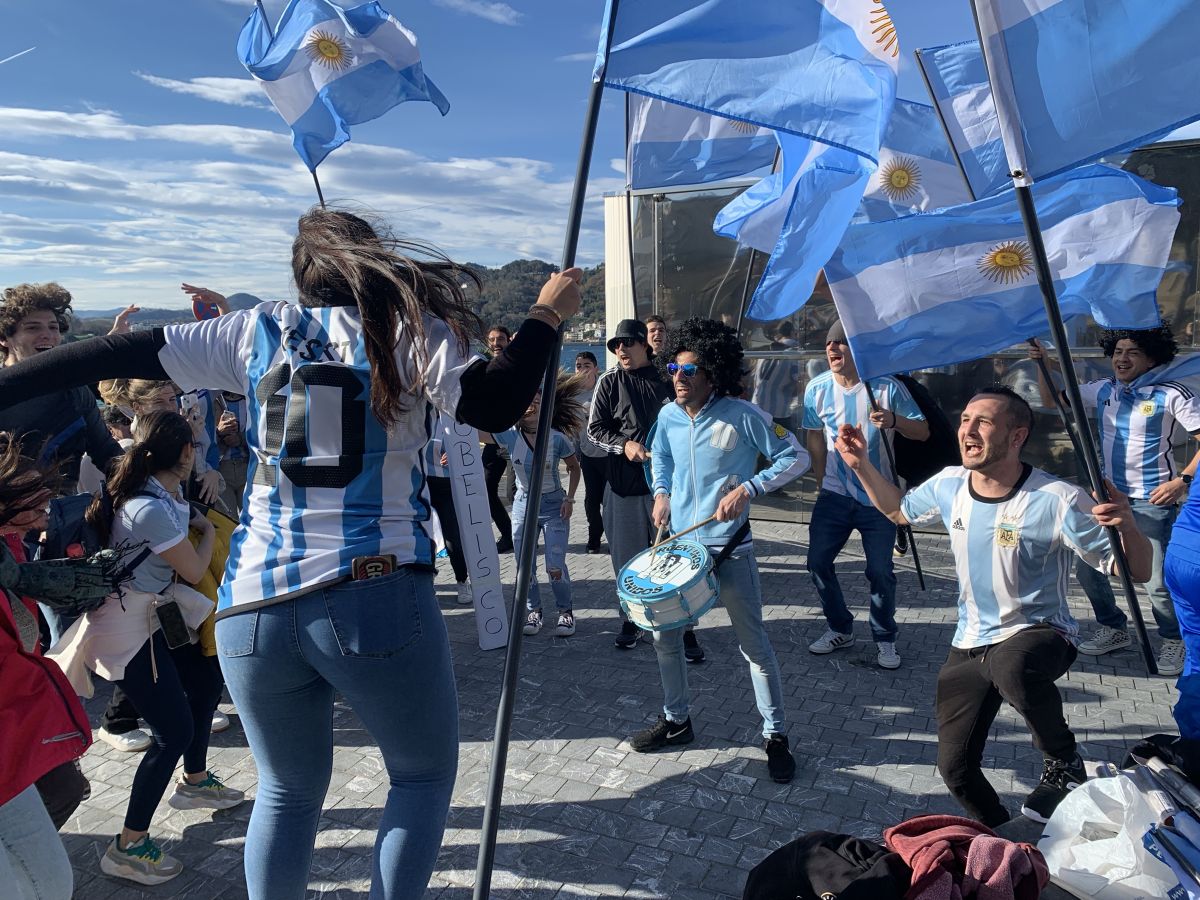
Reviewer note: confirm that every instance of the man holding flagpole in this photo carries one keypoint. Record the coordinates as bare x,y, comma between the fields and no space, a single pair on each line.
1141,413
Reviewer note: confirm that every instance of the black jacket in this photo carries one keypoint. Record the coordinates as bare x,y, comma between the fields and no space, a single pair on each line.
62,426
625,408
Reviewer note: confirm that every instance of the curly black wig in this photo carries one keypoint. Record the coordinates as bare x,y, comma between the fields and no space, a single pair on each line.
716,345
1157,343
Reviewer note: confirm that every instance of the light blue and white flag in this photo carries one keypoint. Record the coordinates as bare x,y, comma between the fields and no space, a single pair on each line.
958,81
670,145
917,171
328,68
957,284
796,215
1185,368
1075,80
821,69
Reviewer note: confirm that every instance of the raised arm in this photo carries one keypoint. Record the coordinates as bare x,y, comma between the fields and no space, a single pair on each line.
884,495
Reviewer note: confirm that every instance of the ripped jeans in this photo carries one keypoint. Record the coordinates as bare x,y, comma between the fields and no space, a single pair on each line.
554,529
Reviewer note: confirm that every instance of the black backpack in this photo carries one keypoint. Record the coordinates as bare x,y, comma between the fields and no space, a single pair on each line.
69,535
918,460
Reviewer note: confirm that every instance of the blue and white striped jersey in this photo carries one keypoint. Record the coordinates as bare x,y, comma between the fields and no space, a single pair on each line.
1138,427
1013,556
239,451
521,454
775,382
326,482
828,406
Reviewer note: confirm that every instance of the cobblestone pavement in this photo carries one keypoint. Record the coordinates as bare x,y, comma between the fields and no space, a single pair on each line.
584,816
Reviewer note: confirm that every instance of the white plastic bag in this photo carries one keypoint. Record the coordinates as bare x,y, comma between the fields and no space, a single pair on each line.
1093,844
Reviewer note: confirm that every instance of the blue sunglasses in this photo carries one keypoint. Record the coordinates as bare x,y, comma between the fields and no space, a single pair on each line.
686,369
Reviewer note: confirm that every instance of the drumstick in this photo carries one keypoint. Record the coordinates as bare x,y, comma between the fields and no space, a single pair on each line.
672,537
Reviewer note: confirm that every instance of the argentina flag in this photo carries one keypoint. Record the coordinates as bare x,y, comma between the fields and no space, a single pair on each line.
796,215
917,171
1074,80
671,145
328,68
957,284
958,83
820,69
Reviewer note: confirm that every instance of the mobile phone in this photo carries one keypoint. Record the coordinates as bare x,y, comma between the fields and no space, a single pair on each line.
174,629
364,567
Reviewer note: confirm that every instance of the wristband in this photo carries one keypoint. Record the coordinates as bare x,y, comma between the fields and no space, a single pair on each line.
545,313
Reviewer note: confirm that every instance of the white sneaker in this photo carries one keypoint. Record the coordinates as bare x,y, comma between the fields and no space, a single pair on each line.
887,658
831,640
1105,640
1171,657
128,742
465,597
220,722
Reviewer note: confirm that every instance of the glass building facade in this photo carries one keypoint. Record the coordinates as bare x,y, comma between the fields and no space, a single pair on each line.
681,269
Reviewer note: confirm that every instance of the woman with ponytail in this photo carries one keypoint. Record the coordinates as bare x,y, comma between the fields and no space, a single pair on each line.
143,639
329,585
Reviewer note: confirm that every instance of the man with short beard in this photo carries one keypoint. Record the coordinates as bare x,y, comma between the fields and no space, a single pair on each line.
1014,531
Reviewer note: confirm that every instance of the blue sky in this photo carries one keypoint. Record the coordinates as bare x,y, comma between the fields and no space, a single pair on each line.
137,153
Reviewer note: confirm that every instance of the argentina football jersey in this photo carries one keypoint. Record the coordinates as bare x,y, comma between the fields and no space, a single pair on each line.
1013,555
828,406
1138,428
325,481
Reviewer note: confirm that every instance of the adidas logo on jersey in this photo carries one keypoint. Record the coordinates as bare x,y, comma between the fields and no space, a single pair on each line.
958,525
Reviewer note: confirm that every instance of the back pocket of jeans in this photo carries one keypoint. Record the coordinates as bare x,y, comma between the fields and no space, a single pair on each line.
235,634
376,618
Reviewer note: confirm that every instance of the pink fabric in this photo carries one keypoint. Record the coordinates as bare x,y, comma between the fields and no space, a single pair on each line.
953,858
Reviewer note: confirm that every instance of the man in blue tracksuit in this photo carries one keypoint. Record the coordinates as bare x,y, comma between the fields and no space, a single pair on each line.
704,456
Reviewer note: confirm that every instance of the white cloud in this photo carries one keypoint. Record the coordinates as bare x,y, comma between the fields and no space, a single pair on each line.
233,91
588,56
135,217
500,13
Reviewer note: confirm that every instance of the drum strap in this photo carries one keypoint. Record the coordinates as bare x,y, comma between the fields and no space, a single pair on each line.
731,544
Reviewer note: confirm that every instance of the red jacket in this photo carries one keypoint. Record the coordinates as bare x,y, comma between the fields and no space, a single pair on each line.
42,722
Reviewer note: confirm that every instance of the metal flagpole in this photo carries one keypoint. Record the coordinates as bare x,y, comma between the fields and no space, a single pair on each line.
266,21
1068,422
512,658
1058,330
637,313
887,447
750,263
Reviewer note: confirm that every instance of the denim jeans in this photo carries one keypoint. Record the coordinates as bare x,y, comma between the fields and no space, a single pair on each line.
834,517
382,645
1182,573
742,598
33,861
554,529
1155,523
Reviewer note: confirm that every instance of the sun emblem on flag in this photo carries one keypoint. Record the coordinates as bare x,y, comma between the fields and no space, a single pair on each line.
328,49
1007,263
885,29
743,127
900,177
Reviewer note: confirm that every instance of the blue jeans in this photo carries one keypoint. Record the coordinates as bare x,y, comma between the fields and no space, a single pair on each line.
382,645
1182,573
554,529
742,599
834,517
1155,523
33,861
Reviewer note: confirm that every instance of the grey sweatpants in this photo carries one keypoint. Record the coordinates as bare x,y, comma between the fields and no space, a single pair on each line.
628,525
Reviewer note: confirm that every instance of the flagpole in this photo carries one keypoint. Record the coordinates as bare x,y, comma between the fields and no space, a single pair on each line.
320,195
753,256
937,108
887,447
629,215
512,657
1091,459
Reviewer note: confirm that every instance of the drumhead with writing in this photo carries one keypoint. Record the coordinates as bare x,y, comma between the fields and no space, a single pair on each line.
668,569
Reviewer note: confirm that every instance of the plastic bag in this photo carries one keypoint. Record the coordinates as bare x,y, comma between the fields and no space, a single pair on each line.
1093,844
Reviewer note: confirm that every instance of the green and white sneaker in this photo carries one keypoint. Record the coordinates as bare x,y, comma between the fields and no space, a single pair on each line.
211,793
143,862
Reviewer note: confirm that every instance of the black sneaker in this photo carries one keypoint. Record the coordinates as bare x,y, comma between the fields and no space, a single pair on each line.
901,547
597,549
504,545
629,635
780,763
1058,780
692,651
663,733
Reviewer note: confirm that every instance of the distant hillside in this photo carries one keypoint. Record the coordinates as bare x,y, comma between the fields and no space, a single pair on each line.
508,291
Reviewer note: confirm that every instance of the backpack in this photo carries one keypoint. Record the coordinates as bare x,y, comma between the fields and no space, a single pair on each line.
917,461
69,535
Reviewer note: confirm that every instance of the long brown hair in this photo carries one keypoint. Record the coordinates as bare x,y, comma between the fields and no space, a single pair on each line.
158,445
570,415
340,259
22,481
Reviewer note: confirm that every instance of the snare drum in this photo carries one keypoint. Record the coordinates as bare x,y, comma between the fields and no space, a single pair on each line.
668,587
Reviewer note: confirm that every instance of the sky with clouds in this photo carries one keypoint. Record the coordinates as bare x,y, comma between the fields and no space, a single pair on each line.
136,153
